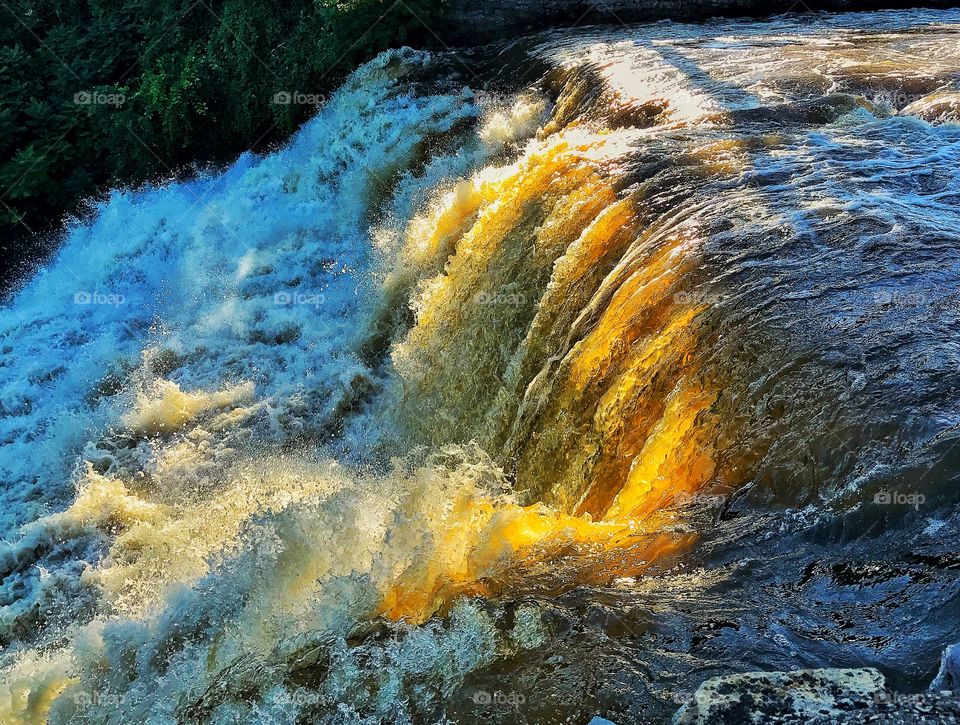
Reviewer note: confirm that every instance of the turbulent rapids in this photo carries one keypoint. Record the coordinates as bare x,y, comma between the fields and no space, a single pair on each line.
632,363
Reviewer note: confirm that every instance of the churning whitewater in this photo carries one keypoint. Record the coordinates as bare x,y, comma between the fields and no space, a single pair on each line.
523,391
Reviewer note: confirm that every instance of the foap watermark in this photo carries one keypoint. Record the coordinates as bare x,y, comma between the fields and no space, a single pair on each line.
899,298
98,298
500,298
298,98
900,699
700,499
302,699
313,299
98,98
499,698
891,498
698,298
895,99
84,700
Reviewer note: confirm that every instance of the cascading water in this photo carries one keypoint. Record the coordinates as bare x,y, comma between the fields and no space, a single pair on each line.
577,394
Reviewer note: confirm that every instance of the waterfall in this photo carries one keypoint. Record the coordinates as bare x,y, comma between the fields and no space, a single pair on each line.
322,434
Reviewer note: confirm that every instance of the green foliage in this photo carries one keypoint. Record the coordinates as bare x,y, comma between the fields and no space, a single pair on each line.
97,93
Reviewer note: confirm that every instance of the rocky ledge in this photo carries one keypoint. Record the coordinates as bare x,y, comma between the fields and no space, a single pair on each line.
815,696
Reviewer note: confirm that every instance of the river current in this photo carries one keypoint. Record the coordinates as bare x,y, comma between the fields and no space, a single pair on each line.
525,384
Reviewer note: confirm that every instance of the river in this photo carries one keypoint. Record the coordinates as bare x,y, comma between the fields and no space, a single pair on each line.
524,384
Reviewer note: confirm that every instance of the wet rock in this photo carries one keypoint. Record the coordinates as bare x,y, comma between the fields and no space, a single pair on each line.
936,108
799,696
948,678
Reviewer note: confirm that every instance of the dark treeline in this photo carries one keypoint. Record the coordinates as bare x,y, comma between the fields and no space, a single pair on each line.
99,93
